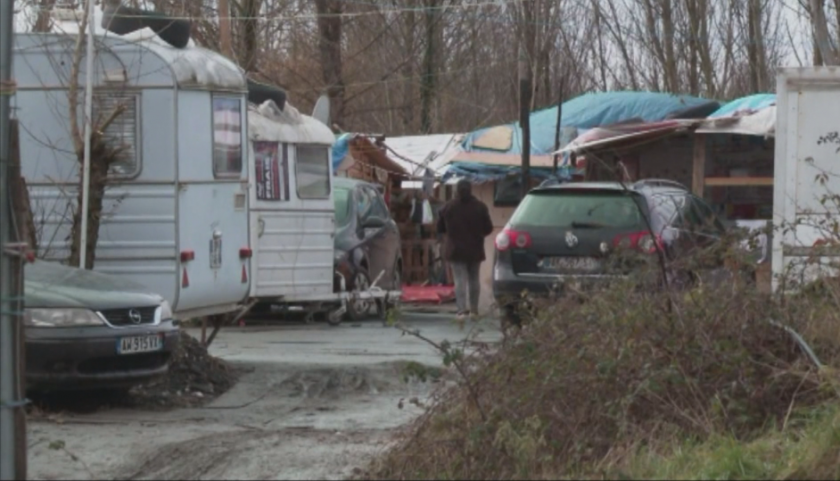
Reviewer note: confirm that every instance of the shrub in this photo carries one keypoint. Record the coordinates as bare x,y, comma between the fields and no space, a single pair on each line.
587,384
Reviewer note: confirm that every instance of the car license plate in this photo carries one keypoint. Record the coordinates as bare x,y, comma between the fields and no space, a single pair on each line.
139,344
585,264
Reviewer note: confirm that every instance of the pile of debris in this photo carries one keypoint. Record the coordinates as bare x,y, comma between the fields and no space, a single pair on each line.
194,378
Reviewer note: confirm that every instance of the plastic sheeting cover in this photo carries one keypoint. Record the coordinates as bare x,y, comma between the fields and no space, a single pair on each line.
479,173
753,115
588,111
745,105
339,150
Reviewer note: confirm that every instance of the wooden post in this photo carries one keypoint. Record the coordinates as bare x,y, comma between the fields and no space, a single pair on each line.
24,221
698,171
21,443
19,235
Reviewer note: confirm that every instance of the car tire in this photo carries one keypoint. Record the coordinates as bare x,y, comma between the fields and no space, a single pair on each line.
360,310
396,284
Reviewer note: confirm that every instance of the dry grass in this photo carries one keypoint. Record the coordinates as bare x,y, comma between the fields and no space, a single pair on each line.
587,386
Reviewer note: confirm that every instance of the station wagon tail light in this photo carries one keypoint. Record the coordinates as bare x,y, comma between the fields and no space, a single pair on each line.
510,237
643,241
187,256
245,253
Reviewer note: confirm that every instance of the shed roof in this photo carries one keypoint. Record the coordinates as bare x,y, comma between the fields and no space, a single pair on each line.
434,150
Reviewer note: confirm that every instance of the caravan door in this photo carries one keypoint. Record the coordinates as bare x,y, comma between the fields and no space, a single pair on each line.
212,210
292,221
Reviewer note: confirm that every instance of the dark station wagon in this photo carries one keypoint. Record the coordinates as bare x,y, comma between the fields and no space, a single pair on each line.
569,234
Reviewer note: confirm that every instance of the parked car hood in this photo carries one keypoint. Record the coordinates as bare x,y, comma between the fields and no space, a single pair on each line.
52,285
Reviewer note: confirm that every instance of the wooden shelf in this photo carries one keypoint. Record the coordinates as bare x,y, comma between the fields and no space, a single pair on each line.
739,181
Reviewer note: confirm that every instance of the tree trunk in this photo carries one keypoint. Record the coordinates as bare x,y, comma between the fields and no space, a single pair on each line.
225,40
672,81
427,91
329,47
250,31
408,73
43,21
821,33
99,166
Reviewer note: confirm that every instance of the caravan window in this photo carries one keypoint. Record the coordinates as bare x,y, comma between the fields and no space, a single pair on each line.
312,172
120,111
227,137
271,175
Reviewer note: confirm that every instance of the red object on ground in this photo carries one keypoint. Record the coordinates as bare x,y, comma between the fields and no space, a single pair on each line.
431,294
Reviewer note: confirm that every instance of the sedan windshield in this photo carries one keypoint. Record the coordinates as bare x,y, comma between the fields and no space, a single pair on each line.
342,205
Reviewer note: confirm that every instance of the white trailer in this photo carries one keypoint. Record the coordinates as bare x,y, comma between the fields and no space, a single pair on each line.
806,196
175,214
292,214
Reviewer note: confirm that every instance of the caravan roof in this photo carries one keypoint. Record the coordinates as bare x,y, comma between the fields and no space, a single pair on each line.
192,66
267,122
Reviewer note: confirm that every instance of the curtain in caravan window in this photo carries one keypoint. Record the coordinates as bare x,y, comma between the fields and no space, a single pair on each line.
312,172
227,137
270,171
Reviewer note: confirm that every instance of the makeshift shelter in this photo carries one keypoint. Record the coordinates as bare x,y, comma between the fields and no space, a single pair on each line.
393,163
491,157
364,157
733,161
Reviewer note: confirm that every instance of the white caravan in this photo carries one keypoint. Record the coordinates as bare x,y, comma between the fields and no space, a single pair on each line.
175,215
806,196
291,205
292,214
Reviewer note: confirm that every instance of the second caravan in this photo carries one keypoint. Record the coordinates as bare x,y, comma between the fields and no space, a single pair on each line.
292,214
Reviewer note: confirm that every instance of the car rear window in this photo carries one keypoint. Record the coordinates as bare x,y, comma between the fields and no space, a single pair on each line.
596,209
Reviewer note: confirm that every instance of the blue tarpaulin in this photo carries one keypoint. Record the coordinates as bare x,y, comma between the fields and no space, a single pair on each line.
478,172
588,111
752,103
339,150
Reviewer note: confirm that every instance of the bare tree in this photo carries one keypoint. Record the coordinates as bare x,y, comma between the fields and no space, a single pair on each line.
329,46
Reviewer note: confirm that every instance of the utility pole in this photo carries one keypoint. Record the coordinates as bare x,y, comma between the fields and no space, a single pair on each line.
83,236
525,117
12,416
559,129
225,39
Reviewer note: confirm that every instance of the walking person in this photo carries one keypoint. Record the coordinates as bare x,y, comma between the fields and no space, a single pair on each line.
465,221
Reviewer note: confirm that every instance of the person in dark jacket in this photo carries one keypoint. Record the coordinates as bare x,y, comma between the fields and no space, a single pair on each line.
465,221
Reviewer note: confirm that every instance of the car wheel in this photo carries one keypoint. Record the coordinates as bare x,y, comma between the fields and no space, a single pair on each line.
396,285
359,309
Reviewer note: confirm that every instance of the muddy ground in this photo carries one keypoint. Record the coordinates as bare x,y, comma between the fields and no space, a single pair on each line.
311,402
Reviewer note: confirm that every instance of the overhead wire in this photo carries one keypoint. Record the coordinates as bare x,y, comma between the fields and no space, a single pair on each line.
315,16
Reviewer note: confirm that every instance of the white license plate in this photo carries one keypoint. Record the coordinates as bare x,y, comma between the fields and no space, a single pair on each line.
216,253
139,344
570,263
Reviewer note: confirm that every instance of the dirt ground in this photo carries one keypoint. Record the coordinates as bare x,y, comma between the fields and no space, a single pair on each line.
312,402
